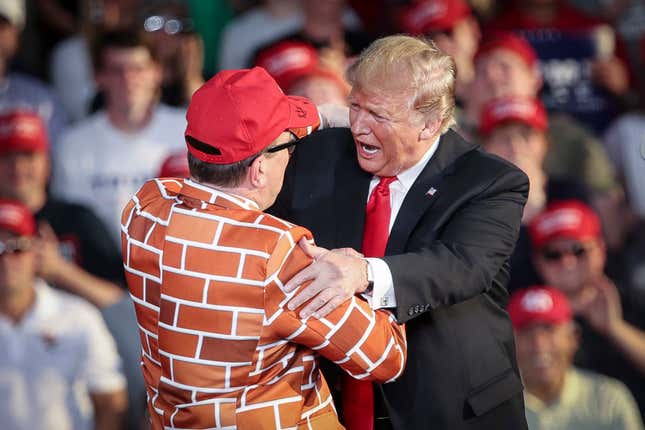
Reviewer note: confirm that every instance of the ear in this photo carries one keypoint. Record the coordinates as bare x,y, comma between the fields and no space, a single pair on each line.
474,27
576,336
99,79
602,247
257,172
538,79
430,128
157,73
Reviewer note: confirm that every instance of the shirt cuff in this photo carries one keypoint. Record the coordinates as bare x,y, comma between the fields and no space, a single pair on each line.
382,294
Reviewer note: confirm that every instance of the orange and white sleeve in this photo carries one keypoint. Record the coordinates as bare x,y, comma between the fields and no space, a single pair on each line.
367,344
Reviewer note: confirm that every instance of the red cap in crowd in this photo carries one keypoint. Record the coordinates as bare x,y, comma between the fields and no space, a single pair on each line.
238,113
175,166
22,131
427,16
288,61
570,219
508,41
527,110
16,218
538,305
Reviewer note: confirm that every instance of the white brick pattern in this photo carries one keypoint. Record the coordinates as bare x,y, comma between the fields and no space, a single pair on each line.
219,348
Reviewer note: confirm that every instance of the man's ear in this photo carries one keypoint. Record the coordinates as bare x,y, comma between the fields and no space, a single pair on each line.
99,79
257,172
430,128
538,78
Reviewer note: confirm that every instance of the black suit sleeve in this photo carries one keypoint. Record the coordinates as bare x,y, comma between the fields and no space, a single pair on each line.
464,259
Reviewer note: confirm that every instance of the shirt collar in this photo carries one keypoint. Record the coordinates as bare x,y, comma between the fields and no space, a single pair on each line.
407,177
209,195
44,305
572,381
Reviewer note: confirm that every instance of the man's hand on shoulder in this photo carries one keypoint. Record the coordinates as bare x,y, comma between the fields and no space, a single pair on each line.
333,115
336,276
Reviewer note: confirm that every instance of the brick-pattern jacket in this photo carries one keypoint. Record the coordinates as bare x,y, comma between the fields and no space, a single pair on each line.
206,270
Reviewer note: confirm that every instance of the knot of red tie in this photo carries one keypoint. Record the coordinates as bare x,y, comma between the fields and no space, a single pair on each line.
377,219
382,189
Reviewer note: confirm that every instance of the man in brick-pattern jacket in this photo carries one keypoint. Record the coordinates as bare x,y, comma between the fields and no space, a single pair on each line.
206,268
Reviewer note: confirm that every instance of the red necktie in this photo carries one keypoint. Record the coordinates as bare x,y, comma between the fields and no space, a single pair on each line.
358,396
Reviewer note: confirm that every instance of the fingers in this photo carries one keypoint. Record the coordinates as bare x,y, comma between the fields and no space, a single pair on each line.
321,302
330,306
607,289
305,295
301,277
334,115
310,249
349,252
46,232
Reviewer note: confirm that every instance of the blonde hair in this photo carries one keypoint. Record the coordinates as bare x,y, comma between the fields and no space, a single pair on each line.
405,63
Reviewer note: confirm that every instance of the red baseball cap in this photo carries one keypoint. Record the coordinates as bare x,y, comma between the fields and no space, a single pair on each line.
288,61
505,40
17,218
22,130
569,219
175,165
527,110
238,113
428,16
538,304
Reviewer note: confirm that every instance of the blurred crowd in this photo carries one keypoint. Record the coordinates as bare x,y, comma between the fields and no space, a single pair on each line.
92,103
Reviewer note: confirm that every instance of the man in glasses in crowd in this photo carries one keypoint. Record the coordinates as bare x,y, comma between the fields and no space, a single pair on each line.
570,254
206,268
515,128
57,356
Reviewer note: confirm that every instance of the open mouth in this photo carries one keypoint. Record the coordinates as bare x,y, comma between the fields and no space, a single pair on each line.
542,362
369,149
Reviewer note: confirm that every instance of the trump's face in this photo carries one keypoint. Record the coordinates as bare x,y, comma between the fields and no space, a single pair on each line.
388,132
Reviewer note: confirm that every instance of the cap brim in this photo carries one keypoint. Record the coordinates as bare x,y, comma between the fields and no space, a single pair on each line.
19,144
534,123
541,320
303,118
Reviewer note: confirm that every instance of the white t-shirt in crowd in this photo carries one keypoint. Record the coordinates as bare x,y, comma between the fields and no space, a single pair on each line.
70,68
246,33
257,27
102,167
50,362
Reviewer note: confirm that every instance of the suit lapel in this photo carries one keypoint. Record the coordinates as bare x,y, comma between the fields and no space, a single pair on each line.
426,190
352,184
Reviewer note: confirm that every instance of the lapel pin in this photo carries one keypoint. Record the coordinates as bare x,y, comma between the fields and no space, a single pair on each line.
431,191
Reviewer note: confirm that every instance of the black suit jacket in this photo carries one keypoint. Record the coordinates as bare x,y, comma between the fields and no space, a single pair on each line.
448,252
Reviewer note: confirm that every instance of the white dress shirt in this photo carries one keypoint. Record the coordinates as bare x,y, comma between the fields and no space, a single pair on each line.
382,295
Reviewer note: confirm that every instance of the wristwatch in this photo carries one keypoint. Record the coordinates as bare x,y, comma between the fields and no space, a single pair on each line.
370,278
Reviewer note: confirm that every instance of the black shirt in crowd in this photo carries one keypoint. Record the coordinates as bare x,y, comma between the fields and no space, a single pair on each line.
84,239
